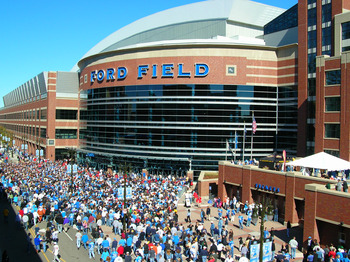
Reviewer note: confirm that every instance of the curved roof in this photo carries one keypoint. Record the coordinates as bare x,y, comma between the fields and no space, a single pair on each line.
241,13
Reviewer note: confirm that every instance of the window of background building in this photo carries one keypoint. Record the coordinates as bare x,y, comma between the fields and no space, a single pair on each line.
332,152
311,2
311,39
326,13
311,105
312,86
345,36
345,30
332,130
66,133
43,113
311,63
66,114
332,104
310,132
326,36
311,16
333,77
43,132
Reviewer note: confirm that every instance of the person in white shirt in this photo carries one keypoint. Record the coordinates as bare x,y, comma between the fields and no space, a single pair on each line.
56,250
243,259
229,258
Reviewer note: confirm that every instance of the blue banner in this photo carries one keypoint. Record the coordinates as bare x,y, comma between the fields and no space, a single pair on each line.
267,255
254,253
128,192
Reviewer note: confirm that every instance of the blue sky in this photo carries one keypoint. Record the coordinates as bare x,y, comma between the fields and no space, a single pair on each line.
39,35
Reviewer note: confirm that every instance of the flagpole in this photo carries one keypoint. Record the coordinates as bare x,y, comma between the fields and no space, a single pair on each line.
251,146
226,150
234,157
243,141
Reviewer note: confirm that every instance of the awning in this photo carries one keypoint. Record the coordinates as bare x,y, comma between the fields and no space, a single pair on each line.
322,160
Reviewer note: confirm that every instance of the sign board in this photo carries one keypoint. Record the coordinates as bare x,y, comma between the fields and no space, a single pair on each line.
120,193
69,168
254,252
128,192
267,255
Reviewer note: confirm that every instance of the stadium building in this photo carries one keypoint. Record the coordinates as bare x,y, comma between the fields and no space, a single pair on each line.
180,89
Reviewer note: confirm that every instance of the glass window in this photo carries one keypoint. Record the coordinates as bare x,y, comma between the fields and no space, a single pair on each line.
311,16
311,63
311,2
332,130
333,77
43,132
66,114
332,104
326,36
332,152
312,86
43,113
66,133
286,20
311,38
326,13
345,30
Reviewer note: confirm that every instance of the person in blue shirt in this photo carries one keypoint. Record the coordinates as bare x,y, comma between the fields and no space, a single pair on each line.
84,240
232,247
266,233
91,249
220,224
220,212
37,243
249,220
233,213
240,221
345,258
105,244
122,242
104,255
212,226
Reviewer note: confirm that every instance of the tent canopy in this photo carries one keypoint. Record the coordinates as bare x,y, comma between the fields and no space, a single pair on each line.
322,160
270,161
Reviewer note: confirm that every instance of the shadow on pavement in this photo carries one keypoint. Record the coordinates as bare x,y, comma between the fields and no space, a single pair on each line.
13,238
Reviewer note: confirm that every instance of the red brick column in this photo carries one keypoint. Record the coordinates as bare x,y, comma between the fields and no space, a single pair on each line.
223,171
310,226
290,207
246,182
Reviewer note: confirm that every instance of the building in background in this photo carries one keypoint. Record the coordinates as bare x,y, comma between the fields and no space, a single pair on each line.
180,89
42,114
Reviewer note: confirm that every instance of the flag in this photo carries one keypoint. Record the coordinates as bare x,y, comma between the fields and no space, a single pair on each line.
236,140
254,125
244,132
227,145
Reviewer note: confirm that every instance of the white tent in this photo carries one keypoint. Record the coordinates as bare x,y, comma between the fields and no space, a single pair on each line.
322,160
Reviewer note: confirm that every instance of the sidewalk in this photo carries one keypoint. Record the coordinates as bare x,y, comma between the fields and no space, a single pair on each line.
280,237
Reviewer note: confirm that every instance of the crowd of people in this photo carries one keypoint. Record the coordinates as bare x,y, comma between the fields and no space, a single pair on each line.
145,228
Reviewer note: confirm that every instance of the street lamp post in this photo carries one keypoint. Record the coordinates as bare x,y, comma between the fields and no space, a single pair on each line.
125,168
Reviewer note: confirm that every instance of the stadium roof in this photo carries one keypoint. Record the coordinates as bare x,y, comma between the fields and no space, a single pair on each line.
202,20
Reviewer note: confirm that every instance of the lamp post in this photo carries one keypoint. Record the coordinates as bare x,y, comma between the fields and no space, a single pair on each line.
125,168
262,211
71,153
